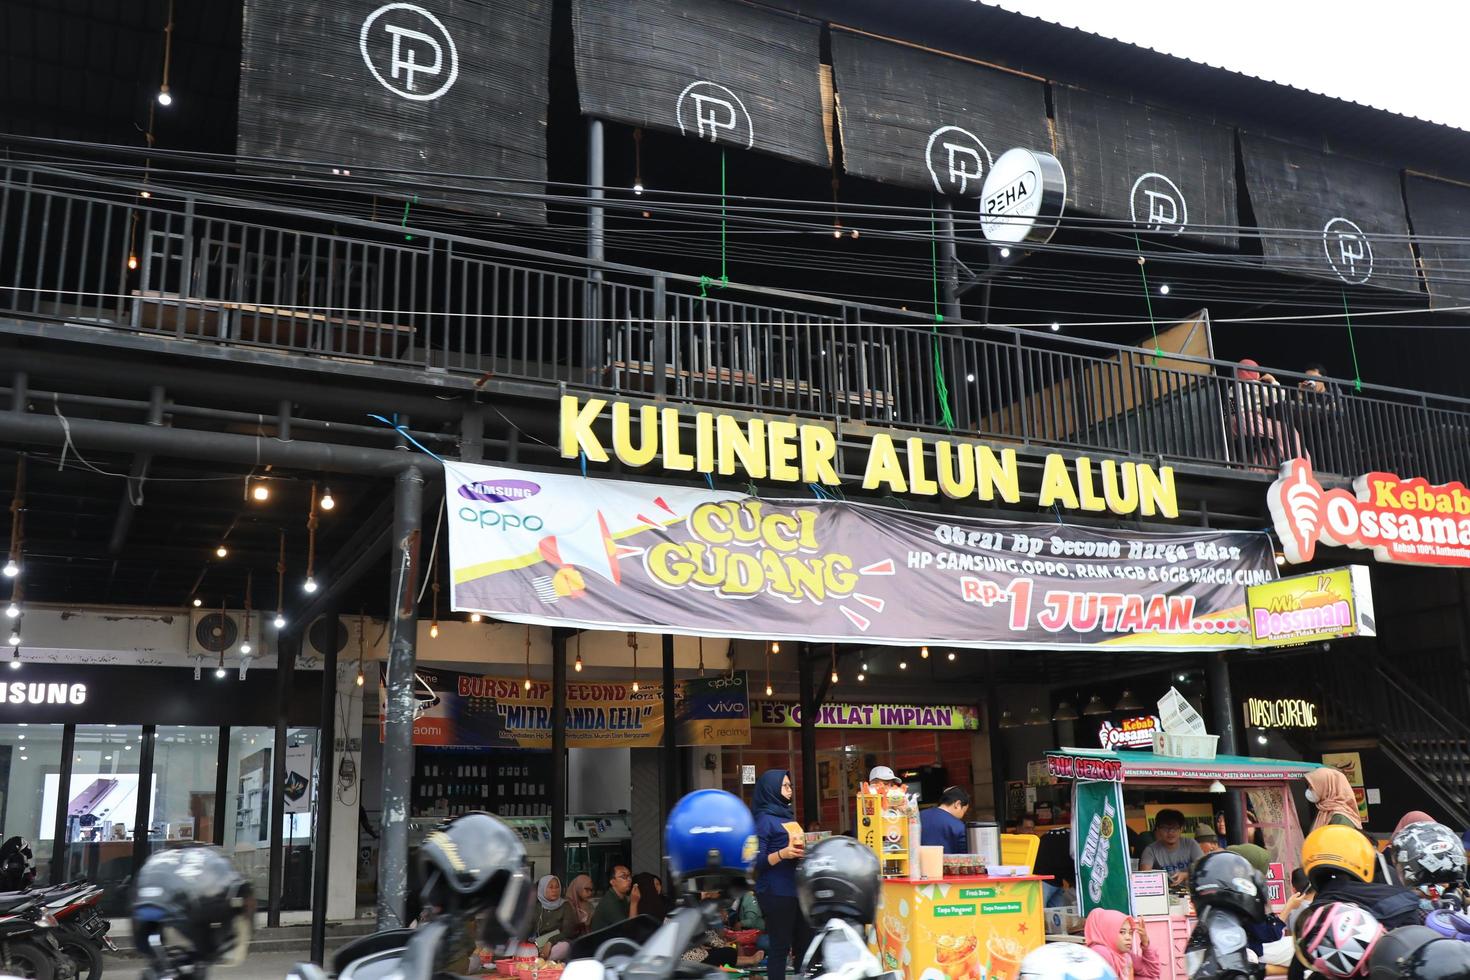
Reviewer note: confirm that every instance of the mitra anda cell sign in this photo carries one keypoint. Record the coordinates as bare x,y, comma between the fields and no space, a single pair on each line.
1404,520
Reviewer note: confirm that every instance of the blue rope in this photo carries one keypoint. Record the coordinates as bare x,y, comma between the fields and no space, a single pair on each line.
403,431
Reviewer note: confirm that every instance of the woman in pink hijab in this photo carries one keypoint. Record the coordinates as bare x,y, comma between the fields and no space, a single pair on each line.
1330,792
1110,935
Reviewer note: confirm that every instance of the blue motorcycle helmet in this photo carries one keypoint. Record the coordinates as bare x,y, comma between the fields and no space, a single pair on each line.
710,840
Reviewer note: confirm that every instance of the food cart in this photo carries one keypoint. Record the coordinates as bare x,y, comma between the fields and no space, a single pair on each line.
961,924
1107,875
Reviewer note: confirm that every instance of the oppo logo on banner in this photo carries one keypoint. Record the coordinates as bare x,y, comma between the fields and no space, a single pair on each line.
22,692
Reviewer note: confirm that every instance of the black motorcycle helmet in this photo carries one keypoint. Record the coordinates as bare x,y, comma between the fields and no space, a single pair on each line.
839,878
1395,948
1224,879
1443,959
1428,853
475,864
191,906
17,865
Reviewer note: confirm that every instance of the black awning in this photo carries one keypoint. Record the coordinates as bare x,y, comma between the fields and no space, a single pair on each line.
460,90
710,69
1440,214
1160,171
928,121
1323,214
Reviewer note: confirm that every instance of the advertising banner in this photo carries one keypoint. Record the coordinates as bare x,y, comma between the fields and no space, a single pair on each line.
933,717
567,550
1408,521
1322,605
959,930
483,711
1101,843
297,788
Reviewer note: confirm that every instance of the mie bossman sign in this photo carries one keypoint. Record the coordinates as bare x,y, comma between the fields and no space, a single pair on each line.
567,550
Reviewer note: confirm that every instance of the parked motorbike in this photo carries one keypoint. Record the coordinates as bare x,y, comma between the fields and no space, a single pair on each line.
29,947
81,929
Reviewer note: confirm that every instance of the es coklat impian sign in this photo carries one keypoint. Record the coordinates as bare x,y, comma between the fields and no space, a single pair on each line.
681,440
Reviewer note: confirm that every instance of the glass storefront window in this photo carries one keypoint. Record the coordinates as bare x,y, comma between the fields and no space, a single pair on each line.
184,762
30,760
101,808
247,805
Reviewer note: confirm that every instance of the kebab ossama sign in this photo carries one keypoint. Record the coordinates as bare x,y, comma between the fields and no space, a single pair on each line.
1408,521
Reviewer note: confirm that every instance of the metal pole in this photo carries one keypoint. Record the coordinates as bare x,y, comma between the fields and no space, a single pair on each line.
559,753
669,784
949,273
810,801
221,784
1222,716
398,726
145,798
596,180
60,829
997,748
326,754
288,644
138,473
18,394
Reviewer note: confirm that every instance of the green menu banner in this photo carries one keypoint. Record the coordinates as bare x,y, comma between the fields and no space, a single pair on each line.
1101,843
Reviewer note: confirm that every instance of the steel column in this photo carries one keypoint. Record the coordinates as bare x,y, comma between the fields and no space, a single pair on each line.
810,798
949,272
1222,719
59,828
398,755
288,645
145,798
221,784
326,753
669,781
559,753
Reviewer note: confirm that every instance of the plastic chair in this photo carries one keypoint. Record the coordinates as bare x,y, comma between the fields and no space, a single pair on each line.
1019,850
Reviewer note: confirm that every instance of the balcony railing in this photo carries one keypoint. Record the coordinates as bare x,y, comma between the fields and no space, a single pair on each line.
93,250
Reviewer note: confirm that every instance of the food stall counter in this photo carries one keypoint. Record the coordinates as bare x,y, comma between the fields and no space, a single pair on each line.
967,927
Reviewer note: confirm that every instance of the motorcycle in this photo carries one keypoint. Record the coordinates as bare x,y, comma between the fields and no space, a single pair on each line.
840,952
29,947
81,929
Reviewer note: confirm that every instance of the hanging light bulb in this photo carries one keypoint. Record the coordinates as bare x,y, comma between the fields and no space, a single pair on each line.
527,685
434,629
1164,289
15,637
775,646
165,98
635,687
220,672
638,186
475,617
951,656
361,680
260,492
1055,326
328,501
769,692
1005,253
834,677
279,622
12,610
245,648
862,677
221,552
903,665
924,652
12,568
132,263
309,585
15,659
198,602
577,665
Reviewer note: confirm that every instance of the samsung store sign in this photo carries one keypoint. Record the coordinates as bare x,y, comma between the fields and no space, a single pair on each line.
36,693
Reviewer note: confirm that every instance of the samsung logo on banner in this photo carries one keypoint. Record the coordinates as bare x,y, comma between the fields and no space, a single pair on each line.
21,692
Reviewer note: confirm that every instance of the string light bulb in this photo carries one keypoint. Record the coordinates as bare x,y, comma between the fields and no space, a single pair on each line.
165,98
1055,326
328,502
1164,289
220,672
198,602
260,492
924,652
15,637
245,648
527,685
309,585
633,642
279,622
577,664
12,568
132,263
951,656
834,663
361,649
475,617
769,692
15,659
12,610
361,680
434,629
775,646
221,552
637,161
903,665
862,677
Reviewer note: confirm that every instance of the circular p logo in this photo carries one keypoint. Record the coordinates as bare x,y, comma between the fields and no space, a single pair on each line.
409,51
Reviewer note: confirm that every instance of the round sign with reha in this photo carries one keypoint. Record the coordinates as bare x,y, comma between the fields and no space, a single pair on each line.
1156,202
1348,251
1023,197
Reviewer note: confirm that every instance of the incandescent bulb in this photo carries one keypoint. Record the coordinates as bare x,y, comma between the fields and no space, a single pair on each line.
245,648
11,568
924,652
198,602
527,685
635,687
260,492
638,187
434,630
360,679
768,690
903,665
220,672
164,98
1005,253
1055,326
475,617
834,677
132,262
14,638
328,501
951,655
578,665
221,552
775,647
1164,289
12,610
15,661
310,584
279,622
862,677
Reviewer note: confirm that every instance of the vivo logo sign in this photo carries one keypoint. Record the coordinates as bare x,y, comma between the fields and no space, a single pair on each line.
500,491
21,692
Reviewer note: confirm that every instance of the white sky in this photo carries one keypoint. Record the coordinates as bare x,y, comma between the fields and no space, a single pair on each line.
1408,56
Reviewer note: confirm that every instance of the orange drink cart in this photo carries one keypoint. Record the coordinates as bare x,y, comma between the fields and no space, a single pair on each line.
1122,782
970,927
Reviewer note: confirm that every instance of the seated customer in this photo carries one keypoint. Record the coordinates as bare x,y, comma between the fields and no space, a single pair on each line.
944,825
1171,851
613,908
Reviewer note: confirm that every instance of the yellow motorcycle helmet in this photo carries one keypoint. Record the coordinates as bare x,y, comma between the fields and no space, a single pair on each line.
1337,847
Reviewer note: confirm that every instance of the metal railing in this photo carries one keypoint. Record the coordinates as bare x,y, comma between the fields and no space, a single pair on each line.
231,271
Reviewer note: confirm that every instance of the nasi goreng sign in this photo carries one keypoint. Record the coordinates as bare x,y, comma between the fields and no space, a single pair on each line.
567,550
1409,521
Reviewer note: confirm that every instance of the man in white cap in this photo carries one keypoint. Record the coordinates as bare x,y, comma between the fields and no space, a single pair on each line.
881,779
